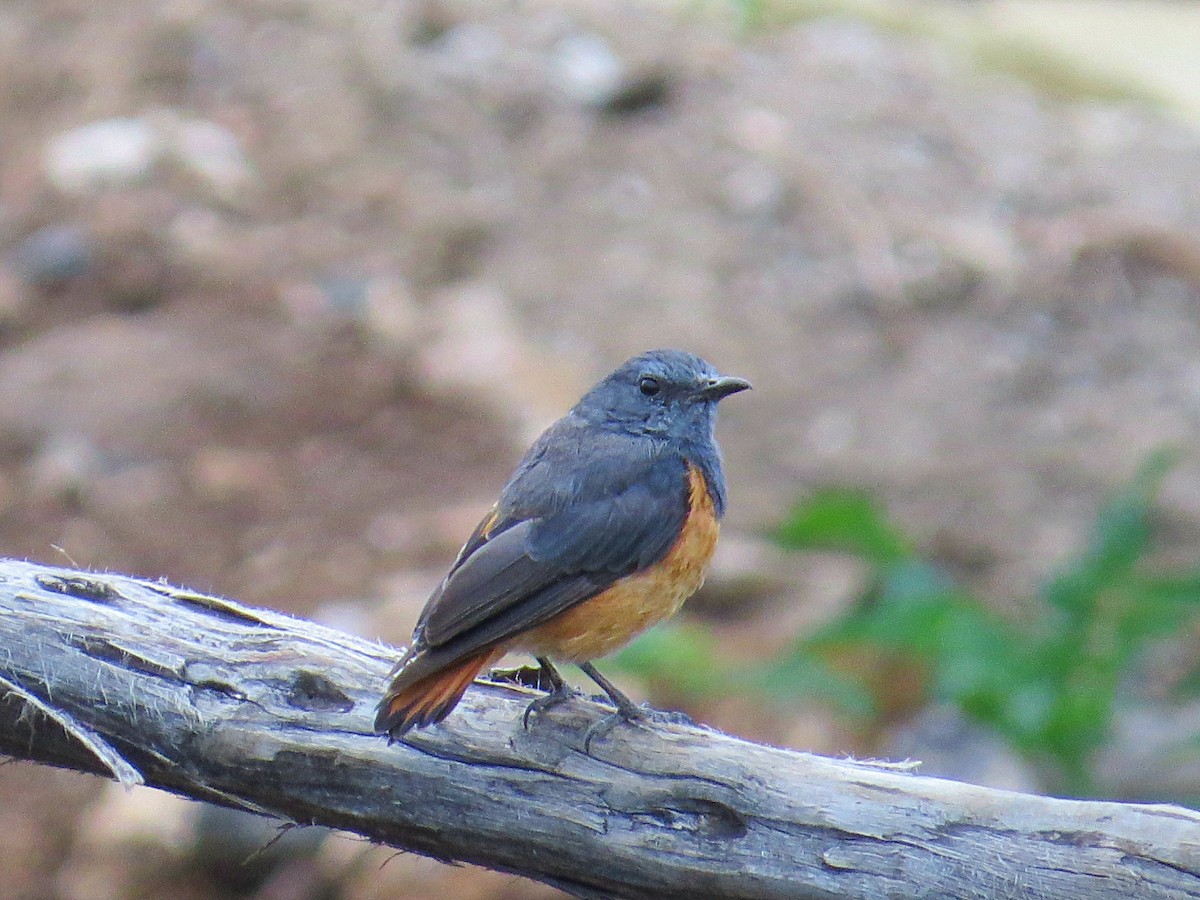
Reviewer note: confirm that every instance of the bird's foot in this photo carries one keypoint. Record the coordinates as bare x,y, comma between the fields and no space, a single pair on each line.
560,691
561,694
634,715
623,716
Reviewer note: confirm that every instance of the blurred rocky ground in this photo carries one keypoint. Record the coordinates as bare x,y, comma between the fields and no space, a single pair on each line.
285,285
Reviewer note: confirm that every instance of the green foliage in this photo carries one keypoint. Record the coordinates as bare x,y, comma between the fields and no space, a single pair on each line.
1047,684
848,521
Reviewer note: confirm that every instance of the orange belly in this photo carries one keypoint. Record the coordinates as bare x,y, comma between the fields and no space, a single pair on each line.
611,619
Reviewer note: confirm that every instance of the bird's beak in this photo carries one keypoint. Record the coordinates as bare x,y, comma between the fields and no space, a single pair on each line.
716,388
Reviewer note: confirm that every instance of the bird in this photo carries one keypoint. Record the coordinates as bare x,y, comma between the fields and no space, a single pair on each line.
605,528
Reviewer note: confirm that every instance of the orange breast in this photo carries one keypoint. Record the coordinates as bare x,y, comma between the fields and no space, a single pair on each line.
611,619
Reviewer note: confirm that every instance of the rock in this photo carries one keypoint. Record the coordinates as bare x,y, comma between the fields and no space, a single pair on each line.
54,254
638,92
108,153
345,295
122,152
211,152
588,70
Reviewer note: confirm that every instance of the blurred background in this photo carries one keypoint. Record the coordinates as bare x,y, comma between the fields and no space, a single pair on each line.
287,285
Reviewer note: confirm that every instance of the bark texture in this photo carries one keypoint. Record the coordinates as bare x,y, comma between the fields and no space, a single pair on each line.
198,695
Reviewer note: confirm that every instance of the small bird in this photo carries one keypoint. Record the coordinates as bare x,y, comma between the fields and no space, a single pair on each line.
604,529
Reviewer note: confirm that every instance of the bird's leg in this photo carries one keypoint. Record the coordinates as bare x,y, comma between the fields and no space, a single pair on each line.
626,707
627,710
560,691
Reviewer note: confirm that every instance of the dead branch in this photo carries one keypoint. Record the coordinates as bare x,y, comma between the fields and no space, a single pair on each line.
212,700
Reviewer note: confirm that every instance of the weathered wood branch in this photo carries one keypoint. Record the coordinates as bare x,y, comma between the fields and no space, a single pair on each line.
212,700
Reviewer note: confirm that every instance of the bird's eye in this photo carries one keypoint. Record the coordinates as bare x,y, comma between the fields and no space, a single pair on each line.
649,385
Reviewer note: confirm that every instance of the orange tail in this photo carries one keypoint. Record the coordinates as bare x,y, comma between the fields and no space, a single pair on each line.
429,700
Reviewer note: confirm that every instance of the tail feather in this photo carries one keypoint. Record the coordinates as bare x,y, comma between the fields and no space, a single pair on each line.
417,703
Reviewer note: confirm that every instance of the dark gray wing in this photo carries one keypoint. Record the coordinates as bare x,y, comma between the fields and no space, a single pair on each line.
582,511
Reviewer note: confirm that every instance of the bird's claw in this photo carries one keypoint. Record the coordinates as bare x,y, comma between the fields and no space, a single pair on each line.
559,695
601,727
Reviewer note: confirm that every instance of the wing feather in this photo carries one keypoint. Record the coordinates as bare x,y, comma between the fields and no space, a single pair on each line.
556,538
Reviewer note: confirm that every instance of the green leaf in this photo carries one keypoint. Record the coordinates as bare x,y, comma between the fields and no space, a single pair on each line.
1048,683
1182,589
1119,539
979,658
846,520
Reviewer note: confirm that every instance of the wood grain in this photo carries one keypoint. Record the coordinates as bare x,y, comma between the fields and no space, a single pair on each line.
213,700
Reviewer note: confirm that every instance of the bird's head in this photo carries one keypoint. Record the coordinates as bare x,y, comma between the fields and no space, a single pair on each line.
667,393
